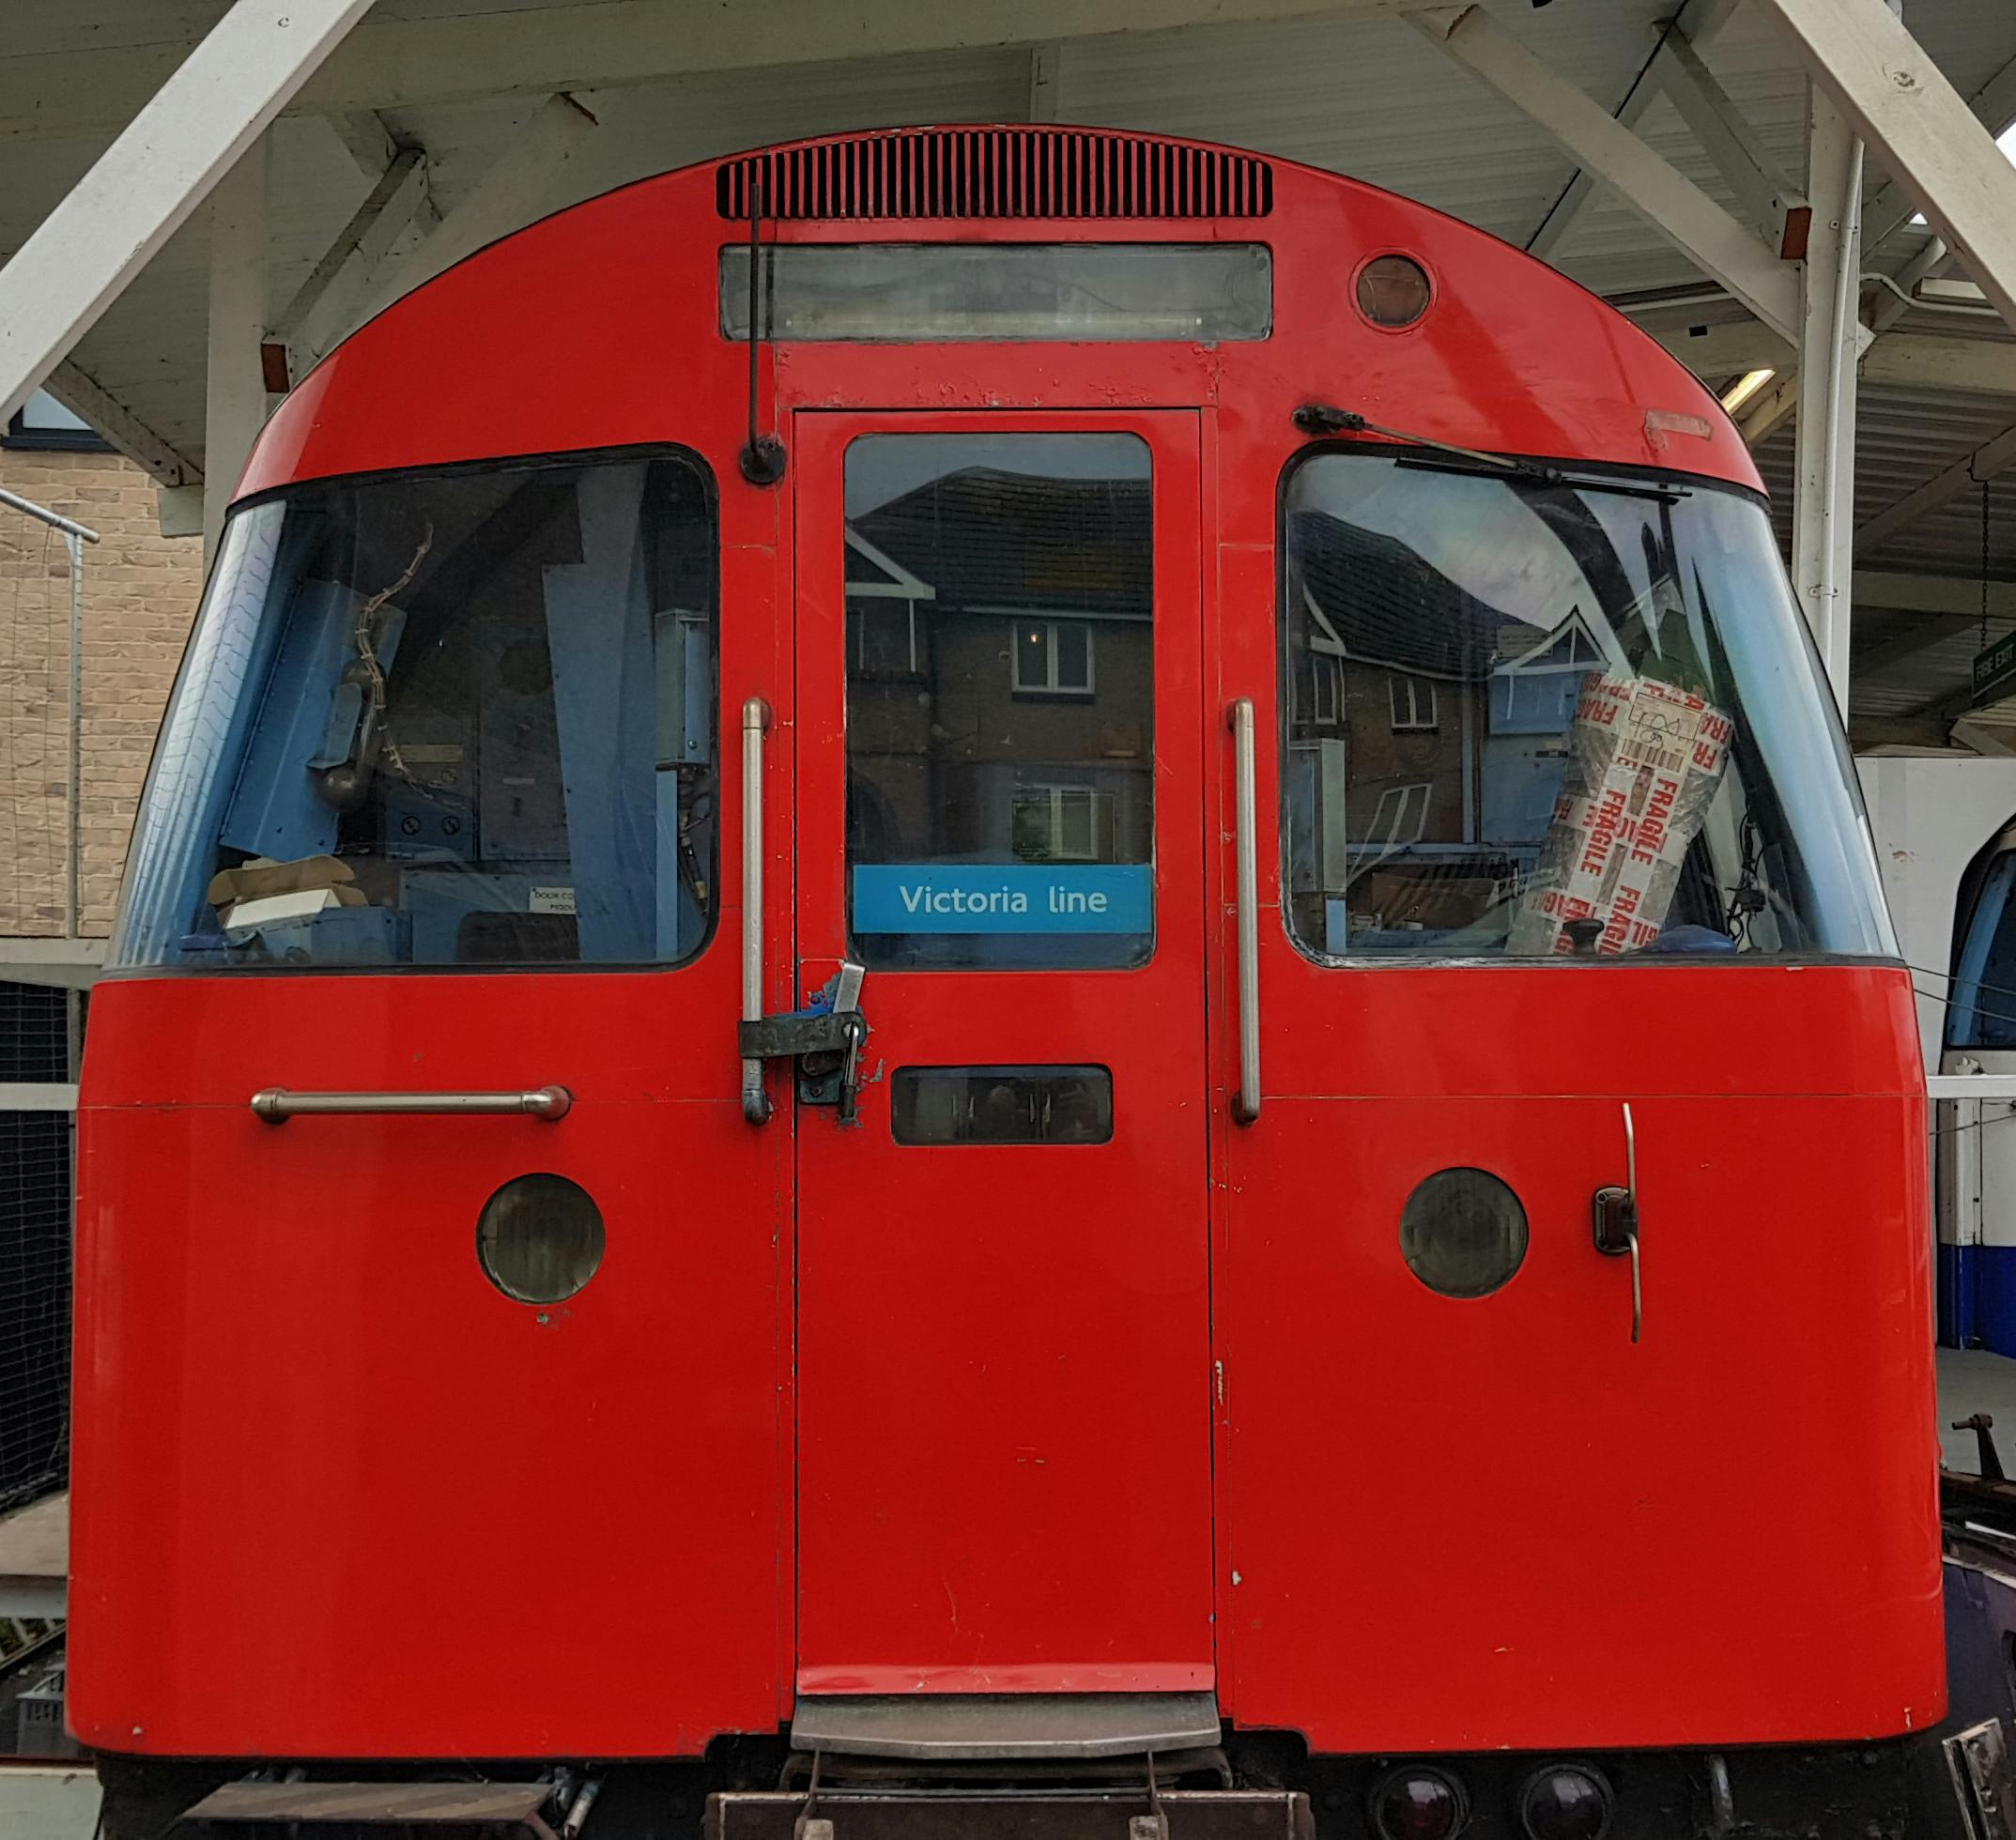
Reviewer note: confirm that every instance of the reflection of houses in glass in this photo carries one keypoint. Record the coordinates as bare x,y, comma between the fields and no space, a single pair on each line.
999,671
1427,734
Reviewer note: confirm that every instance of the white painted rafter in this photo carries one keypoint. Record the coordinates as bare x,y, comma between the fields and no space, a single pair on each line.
1775,204
338,285
1918,636
1893,361
365,138
1702,21
83,396
1671,202
1918,126
1966,474
1770,409
188,132
1994,105
513,191
1831,338
1898,592
234,406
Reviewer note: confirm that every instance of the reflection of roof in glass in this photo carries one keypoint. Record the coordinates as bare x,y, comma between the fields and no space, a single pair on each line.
1391,608
982,537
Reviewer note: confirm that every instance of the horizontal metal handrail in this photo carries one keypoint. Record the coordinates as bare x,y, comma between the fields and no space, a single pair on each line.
276,1104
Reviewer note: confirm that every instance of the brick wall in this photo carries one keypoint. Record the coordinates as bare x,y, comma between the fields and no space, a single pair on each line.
140,592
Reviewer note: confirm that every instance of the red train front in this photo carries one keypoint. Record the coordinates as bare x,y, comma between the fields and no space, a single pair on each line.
1076,970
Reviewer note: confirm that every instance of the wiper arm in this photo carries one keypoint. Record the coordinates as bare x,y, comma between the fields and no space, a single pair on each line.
1321,418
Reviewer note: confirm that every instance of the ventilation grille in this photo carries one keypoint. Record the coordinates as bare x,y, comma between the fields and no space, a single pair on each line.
996,172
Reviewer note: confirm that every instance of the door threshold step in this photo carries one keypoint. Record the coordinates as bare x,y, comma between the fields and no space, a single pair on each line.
1009,1724
1190,1814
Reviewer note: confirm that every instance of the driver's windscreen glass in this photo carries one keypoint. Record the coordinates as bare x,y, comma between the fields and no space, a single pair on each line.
452,717
1526,718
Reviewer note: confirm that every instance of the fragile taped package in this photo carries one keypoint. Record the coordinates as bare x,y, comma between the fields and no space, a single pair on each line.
1645,759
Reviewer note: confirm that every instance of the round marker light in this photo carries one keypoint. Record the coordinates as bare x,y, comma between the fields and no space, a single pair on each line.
1416,1804
1565,1801
1393,291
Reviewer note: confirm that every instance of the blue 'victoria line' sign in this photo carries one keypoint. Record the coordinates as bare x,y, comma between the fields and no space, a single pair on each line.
1003,898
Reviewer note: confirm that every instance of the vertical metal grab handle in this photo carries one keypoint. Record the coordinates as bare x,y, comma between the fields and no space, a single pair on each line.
1246,1108
755,723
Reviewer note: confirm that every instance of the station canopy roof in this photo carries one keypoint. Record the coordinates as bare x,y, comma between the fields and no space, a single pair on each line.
1352,86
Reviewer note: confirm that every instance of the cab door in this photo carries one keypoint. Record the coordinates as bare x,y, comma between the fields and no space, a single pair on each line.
1002,1334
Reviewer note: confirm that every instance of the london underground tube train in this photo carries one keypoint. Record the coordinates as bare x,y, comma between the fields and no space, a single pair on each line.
1008,980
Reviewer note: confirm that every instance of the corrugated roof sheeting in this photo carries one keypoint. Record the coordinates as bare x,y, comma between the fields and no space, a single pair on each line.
1366,97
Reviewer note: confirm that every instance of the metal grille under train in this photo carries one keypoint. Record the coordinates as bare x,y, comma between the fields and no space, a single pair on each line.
996,173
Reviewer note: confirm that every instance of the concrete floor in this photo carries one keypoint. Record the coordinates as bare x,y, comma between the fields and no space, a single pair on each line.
48,1801
1971,1380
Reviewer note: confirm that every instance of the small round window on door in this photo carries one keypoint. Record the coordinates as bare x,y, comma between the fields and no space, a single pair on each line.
540,1238
1463,1233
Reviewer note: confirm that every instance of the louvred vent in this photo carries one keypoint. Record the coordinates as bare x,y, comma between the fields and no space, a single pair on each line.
996,172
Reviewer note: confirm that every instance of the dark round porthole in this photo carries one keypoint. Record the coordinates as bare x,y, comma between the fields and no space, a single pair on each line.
540,1238
1463,1233
1393,291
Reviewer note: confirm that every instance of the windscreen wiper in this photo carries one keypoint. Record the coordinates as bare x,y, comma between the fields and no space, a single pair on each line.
1322,419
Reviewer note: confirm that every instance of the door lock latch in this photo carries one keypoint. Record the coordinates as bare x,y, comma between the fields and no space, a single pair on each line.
825,1038
1616,1224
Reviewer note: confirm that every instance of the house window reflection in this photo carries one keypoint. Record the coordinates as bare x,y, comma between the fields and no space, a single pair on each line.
1000,700
1538,718
1413,702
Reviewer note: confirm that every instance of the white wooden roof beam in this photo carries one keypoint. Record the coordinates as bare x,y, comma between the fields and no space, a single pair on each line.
83,396
1672,202
1894,361
1830,346
1702,21
1915,123
1898,592
513,191
1775,207
340,281
1917,635
234,398
187,134
1994,105
392,63
1966,474
1770,409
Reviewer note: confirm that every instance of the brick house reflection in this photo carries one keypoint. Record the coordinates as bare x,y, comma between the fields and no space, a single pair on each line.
1000,671
1427,736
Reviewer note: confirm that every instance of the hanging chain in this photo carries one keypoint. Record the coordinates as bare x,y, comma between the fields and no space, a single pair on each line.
1984,565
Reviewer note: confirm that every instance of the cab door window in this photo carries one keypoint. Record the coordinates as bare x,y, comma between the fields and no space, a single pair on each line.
1000,736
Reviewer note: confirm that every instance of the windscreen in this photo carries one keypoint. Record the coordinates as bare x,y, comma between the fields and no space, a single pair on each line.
456,717
1529,716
